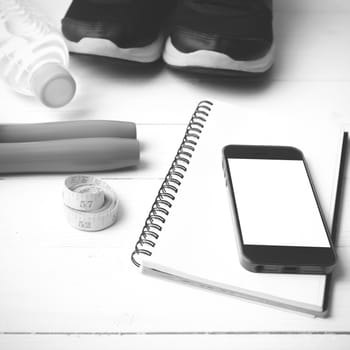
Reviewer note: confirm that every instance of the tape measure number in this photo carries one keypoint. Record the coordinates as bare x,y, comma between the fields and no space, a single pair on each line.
90,204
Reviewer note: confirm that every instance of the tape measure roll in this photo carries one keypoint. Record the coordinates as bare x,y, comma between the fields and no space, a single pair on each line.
90,204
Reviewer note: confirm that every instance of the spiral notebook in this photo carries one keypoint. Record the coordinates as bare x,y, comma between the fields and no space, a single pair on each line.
189,235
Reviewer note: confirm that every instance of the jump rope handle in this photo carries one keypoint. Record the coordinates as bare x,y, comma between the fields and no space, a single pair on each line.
61,147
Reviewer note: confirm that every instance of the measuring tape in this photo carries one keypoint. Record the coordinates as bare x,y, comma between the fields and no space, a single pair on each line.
90,204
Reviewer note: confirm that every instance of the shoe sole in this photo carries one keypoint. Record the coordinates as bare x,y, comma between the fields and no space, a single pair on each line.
203,60
106,48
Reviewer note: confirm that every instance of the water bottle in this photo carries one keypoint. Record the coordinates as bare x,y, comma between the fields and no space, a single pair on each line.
33,55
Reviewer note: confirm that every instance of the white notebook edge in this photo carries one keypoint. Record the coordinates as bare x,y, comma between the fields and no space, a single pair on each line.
262,299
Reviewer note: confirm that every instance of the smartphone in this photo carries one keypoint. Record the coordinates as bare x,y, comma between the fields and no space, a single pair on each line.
280,225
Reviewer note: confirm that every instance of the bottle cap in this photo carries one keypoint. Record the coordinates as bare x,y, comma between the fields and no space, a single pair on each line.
53,85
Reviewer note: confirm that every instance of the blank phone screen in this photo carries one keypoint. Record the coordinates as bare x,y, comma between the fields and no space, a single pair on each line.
275,203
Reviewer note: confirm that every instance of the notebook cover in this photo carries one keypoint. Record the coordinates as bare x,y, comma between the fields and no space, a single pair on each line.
196,243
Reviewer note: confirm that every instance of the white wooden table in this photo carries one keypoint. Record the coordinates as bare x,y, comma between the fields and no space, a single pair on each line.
66,289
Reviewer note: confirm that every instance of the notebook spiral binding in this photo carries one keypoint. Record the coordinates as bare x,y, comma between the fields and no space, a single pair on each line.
166,195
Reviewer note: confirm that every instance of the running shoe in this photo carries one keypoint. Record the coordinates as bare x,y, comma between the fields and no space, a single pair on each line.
230,36
124,29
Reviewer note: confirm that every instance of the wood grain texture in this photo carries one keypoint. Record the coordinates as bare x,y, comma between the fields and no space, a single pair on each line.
175,341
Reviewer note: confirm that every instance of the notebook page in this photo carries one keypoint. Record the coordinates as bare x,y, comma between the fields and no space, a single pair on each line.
198,239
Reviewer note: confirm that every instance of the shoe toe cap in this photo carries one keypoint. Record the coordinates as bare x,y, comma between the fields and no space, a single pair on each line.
237,48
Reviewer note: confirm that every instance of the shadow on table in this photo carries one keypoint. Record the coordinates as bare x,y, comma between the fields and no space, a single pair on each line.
236,83
116,68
